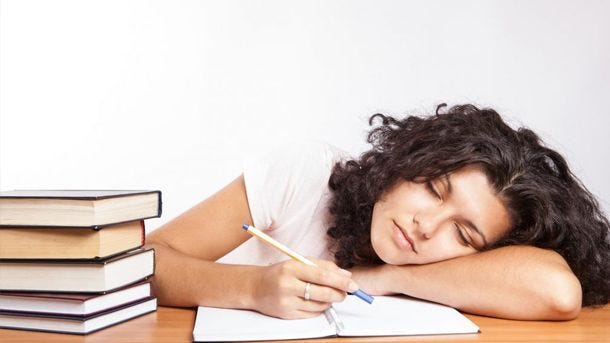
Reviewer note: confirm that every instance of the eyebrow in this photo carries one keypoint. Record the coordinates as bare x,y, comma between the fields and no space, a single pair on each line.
466,222
449,186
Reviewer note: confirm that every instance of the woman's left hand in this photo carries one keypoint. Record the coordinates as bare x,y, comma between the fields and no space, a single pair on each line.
373,279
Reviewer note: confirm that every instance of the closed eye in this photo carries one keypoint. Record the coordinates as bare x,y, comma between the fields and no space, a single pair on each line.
430,188
463,240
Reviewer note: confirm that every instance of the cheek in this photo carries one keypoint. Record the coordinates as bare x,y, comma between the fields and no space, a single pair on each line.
381,236
380,216
376,225
444,247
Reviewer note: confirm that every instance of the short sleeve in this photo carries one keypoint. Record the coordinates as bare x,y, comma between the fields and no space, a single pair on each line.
288,181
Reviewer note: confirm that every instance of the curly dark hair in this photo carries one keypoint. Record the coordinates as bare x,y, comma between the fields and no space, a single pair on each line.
550,208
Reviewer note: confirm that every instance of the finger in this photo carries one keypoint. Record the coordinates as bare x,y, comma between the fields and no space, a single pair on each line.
313,306
323,294
300,314
326,264
326,277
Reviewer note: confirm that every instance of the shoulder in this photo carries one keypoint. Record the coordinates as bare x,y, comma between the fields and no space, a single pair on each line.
289,178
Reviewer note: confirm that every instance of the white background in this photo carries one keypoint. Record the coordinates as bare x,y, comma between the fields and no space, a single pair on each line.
172,95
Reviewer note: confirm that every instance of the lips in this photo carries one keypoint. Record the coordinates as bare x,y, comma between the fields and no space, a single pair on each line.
406,237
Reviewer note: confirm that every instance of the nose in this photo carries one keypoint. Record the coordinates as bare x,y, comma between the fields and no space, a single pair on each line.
427,223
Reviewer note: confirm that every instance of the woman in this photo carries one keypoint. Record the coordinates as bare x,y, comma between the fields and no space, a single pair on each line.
456,208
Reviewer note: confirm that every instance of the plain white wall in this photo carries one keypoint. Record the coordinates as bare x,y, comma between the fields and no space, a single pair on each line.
172,95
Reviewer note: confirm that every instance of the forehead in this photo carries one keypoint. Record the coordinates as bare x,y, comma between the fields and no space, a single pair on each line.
476,201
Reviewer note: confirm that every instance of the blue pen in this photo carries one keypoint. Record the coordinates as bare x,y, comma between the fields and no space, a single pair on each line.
281,247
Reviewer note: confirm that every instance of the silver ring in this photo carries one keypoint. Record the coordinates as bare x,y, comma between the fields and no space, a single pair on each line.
306,294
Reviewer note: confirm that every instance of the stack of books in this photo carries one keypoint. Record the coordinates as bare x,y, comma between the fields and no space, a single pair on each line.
74,261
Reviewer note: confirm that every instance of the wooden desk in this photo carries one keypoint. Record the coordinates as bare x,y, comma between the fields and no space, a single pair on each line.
176,325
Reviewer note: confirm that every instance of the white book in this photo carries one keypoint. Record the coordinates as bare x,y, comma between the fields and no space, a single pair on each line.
386,316
76,324
81,276
77,208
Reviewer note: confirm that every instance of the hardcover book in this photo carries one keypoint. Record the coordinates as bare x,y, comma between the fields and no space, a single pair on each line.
82,276
98,242
81,304
77,207
76,324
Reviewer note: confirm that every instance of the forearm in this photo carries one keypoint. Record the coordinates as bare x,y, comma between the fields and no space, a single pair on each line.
513,282
185,281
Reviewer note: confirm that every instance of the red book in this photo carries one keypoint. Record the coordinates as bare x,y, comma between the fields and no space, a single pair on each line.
76,304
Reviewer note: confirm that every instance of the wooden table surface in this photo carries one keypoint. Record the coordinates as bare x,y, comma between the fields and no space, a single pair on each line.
176,325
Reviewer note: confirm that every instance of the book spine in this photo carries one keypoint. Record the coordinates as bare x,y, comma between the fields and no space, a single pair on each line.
160,204
143,233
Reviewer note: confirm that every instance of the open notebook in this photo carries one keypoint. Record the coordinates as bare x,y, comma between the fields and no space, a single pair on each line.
387,316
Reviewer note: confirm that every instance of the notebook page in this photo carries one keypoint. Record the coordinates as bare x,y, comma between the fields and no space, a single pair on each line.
217,324
400,316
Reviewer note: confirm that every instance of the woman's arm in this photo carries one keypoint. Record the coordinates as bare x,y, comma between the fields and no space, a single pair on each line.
187,247
515,282
187,275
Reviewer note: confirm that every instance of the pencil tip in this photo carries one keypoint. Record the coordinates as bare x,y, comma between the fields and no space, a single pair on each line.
364,296
245,227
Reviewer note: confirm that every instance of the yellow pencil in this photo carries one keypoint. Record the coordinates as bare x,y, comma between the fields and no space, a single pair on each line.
295,256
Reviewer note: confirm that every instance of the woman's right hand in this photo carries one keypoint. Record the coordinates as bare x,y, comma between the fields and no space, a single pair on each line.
279,290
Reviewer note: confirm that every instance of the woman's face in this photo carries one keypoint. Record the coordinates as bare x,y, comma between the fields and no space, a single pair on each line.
454,215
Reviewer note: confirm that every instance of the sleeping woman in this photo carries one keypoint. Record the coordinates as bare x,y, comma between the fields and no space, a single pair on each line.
456,207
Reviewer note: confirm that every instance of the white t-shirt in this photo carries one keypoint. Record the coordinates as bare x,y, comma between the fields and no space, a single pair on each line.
288,196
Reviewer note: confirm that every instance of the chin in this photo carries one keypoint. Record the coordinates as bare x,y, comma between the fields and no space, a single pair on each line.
392,258
386,251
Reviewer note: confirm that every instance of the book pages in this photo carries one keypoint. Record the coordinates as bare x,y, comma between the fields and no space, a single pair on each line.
400,316
216,324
